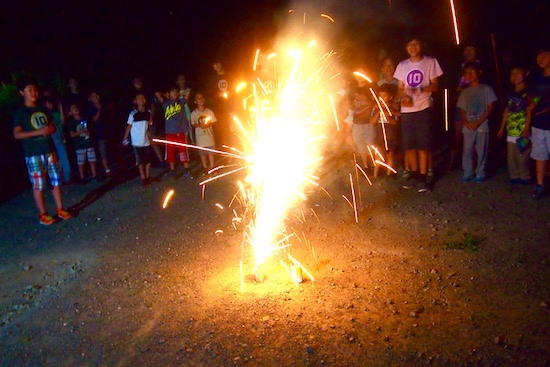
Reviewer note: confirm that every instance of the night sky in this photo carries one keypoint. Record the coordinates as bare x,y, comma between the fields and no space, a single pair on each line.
108,42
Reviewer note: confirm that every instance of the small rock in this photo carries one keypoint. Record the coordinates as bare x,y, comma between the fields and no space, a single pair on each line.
543,304
413,314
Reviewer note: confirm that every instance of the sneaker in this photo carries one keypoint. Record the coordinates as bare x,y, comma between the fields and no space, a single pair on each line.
538,192
423,187
406,175
175,175
465,179
46,219
63,214
409,184
188,175
479,179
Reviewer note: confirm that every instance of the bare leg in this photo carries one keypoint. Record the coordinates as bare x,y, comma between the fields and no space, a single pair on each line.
147,170
204,161
56,191
39,200
172,166
94,169
423,160
141,171
541,170
157,151
390,161
105,164
413,160
81,171
211,159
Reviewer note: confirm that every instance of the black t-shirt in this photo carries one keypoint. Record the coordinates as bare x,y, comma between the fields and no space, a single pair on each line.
31,119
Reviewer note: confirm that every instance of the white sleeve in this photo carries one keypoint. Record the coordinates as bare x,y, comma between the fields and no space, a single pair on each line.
131,118
436,71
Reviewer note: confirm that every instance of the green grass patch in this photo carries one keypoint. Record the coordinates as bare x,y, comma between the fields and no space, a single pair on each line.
468,242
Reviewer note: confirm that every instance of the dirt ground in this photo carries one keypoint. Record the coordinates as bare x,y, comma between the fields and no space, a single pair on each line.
459,276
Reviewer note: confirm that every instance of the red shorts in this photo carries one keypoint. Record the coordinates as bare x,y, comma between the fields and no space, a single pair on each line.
172,150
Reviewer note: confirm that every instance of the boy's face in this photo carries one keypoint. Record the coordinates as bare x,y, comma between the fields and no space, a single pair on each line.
138,84
94,98
388,67
517,76
471,75
180,80
140,100
385,96
470,53
73,84
30,93
543,59
74,111
199,100
414,47
174,93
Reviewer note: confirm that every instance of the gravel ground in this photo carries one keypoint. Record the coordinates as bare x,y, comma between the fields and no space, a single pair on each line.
458,276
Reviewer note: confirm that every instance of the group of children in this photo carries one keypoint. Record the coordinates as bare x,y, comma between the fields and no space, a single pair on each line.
41,127
396,116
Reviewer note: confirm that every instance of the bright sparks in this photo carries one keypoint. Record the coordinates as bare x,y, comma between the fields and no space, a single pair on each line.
455,22
361,75
167,198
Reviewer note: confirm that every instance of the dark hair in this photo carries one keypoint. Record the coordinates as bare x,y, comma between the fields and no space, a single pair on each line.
471,65
391,89
140,93
416,37
174,87
25,81
543,47
518,67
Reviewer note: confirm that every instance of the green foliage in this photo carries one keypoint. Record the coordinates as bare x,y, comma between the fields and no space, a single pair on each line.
468,242
9,95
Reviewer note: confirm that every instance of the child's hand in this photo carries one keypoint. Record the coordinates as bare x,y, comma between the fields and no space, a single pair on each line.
45,131
407,101
526,133
500,132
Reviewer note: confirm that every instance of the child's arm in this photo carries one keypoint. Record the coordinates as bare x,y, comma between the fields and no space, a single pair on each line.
528,116
127,133
19,134
503,123
375,116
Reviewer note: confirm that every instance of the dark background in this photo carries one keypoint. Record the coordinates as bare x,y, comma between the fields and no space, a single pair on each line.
104,44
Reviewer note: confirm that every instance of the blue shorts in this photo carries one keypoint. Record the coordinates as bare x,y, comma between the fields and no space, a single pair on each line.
416,130
42,166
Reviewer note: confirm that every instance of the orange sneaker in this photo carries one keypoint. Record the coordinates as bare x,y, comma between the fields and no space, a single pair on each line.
63,214
46,219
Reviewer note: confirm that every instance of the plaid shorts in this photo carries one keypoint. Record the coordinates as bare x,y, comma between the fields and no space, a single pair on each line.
81,155
42,166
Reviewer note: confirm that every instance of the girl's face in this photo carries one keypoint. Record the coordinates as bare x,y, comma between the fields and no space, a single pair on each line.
543,59
388,67
470,53
517,76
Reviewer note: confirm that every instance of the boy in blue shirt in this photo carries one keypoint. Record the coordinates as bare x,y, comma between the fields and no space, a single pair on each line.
33,125
476,103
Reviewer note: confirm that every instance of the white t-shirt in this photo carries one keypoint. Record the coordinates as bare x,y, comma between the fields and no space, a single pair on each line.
140,124
205,137
416,75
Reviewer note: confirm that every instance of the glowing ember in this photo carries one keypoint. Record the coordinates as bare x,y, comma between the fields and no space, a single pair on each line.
455,22
167,198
